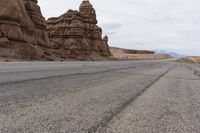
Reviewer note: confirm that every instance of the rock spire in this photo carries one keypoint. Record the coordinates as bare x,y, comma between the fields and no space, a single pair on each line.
77,33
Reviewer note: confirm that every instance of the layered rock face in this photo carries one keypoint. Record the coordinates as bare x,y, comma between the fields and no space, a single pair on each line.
75,34
39,22
24,33
22,30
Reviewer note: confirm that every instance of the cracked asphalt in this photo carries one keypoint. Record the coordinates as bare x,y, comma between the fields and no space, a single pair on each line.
159,96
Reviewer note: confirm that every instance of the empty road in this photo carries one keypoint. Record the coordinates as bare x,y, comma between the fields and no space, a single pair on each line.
159,96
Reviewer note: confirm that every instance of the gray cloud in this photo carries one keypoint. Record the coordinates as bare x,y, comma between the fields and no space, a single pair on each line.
111,33
112,26
172,25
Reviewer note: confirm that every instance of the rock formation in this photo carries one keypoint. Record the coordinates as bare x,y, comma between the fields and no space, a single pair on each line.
22,30
23,33
75,34
39,22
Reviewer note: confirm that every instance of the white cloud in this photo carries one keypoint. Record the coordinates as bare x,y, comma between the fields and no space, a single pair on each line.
172,25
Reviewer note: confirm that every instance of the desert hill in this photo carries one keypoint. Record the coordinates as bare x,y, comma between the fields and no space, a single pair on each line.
123,54
190,59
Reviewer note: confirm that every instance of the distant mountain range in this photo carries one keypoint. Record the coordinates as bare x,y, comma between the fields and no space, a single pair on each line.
169,53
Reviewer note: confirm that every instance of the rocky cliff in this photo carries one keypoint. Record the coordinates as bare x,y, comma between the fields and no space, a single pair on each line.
75,34
22,30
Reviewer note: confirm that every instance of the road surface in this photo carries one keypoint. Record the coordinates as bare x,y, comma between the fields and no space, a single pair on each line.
103,97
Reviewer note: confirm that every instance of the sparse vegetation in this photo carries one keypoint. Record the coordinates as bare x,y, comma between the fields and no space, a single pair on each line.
190,59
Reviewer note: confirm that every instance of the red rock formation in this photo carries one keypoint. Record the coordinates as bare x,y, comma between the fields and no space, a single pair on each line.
73,35
76,34
22,29
39,22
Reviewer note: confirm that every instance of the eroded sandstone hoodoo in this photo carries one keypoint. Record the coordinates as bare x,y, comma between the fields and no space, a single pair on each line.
24,34
39,22
77,35
22,30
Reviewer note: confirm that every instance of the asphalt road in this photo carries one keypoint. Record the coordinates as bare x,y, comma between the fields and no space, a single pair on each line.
104,97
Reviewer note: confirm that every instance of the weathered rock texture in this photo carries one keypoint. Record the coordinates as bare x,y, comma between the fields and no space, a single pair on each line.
75,34
22,30
23,33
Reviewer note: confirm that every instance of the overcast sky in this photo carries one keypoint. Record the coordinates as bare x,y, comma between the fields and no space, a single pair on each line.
171,25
